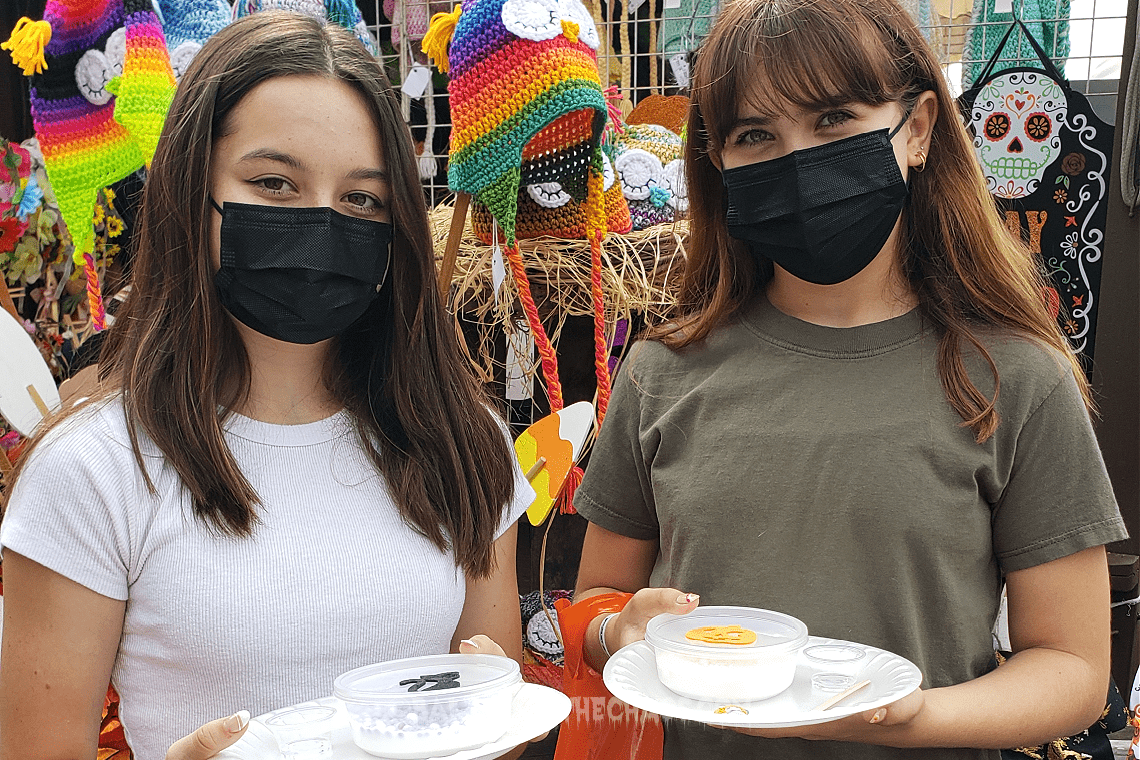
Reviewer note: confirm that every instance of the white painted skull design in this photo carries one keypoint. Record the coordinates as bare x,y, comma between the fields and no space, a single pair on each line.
1016,120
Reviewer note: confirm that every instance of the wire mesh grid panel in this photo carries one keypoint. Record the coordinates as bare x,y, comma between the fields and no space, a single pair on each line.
650,43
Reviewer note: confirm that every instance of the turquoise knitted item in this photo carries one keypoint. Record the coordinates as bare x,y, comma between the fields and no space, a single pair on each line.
1048,20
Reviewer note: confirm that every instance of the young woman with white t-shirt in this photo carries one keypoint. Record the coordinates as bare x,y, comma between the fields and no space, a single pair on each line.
290,471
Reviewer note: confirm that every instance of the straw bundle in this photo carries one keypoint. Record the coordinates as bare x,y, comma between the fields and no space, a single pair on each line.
641,276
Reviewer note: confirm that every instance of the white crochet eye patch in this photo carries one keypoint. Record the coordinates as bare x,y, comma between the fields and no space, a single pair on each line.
548,194
640,172
96,68
532,19
182,55
573,10
608,176
674,176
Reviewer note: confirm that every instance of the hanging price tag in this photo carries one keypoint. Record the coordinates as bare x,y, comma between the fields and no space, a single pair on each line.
520,358
635,4
416,83
680,66
672,3
1003,6
498,269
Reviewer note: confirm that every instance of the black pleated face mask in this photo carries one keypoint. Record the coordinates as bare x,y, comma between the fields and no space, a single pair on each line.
301,275
822,213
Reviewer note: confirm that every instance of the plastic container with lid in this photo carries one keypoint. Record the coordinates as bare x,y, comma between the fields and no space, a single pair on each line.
726,654
429,706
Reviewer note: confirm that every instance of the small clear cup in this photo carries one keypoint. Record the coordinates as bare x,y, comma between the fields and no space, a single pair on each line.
831,683
303,733
845,659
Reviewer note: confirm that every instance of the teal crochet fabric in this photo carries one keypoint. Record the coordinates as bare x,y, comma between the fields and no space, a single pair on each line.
683,28
1048,20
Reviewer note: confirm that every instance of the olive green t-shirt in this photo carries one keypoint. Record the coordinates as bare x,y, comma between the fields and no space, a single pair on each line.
822,472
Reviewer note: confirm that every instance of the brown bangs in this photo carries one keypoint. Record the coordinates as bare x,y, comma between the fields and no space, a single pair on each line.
812,55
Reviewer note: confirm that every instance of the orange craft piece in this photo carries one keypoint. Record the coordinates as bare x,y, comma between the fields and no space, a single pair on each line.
668,111
722,634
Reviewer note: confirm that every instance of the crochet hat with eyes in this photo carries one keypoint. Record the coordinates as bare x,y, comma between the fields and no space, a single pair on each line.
527,110
526,101
101,87
343,12
651,173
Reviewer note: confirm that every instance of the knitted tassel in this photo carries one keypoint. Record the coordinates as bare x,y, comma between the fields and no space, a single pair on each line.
541,340
426,162
596,224
94,294
438,37
27,43
565,501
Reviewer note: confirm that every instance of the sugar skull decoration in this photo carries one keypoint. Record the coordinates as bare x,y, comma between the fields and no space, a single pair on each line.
1047,155
652,174
1016,120
101,86
527,114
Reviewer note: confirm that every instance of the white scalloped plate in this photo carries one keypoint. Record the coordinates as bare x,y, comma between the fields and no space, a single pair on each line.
631,675
534,711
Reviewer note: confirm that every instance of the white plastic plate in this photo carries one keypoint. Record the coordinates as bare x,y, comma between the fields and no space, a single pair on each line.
534,711
631,675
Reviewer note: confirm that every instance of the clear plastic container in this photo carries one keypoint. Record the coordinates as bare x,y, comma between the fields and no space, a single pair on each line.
429,706
703,656
303,733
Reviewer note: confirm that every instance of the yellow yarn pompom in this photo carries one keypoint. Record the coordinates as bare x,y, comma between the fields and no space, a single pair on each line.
439,35
27,44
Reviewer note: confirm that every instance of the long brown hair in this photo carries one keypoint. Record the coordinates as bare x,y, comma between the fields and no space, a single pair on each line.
966,268
180,363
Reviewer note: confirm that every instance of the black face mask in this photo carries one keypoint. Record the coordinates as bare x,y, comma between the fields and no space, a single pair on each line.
301,275
823,213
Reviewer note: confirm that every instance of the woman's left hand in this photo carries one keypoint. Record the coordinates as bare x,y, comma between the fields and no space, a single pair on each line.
484,645
868,727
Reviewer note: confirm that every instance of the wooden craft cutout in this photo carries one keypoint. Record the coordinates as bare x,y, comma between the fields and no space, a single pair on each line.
27,389
558,439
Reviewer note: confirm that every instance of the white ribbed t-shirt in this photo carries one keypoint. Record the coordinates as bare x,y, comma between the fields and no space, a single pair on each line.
331,579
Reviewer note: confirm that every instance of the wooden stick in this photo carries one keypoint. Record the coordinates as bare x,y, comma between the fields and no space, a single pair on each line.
454,237
532,473
833,701
7,303
39,402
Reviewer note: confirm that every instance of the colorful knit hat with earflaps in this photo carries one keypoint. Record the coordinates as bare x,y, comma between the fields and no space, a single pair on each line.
527,109
101,87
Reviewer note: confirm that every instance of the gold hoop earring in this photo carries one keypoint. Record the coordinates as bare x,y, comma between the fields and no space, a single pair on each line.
922,158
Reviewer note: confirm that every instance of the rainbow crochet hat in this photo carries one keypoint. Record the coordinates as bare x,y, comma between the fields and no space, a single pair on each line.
527,110
101,87
526,101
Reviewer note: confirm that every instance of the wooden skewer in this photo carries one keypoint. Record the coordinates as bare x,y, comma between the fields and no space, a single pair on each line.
532,473
833,701
454,236
38,401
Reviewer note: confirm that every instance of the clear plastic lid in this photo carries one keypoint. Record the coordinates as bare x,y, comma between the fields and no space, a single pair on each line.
726,630
434,678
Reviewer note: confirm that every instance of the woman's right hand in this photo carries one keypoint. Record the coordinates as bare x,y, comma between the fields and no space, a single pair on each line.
629,625
210,739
